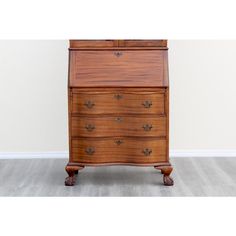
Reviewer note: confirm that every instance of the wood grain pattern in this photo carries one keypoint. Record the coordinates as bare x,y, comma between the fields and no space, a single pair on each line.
93,43
116,101
118,105
129,151
117,43
116,69
167,121
144,43
110,126
118,49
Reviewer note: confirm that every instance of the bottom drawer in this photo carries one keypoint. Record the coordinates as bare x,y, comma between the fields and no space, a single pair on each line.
119,150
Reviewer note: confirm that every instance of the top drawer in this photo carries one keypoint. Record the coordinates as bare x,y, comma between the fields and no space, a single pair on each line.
115,101
118,68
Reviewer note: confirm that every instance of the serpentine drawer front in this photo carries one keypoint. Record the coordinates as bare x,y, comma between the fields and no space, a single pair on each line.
119,150
110,126
118,105
112,101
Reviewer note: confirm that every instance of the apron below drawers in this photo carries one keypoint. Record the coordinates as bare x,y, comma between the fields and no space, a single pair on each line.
119,150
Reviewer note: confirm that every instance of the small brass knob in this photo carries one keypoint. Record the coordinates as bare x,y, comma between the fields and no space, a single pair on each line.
119,119
118,54
147,151
119,142
89,104
118,96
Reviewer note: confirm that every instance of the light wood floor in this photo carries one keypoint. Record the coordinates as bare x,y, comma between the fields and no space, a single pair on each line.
192,176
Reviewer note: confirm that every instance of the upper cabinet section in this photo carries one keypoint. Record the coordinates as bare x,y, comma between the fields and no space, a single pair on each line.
118,63
79,44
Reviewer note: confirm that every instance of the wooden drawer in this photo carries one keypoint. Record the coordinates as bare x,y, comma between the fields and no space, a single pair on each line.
118,150
109,102
104,126
117,68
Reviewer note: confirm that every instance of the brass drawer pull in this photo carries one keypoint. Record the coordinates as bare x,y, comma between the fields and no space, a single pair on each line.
147,127
89,104
118,54
118,96
119,142
119,119
147,151
90,150
90,127
147,104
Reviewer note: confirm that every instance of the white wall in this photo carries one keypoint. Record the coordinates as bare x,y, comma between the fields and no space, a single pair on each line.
203,94
33,95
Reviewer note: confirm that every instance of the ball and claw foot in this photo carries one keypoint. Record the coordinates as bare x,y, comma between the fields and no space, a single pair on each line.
70,181
166,171
168,181
72,171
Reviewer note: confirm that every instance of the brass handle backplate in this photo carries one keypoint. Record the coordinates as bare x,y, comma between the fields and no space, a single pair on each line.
90,127
147,151
89,104
119,142
90,150
147,127
118,54
147,104
118,96
119,119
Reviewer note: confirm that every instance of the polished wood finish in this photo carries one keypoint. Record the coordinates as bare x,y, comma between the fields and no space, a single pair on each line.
118,150
143,43
78,44
118,98
119,101
117,68
110,126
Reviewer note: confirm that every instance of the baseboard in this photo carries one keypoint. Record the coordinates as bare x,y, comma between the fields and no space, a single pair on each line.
32,155
173,154
203,153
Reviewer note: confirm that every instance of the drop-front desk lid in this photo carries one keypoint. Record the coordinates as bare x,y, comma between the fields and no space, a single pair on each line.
118,63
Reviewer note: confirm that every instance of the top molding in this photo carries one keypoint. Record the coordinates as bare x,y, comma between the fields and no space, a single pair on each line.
80,44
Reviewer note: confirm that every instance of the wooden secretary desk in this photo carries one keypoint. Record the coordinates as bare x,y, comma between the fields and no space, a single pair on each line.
118,105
